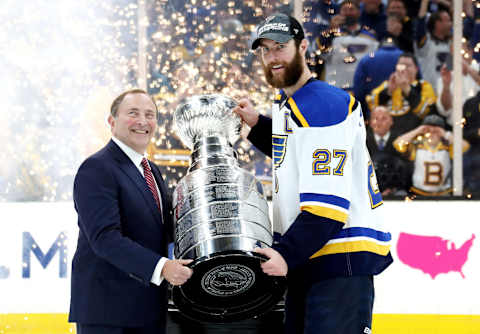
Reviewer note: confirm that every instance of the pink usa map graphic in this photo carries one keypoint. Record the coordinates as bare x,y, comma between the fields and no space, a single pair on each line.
431,254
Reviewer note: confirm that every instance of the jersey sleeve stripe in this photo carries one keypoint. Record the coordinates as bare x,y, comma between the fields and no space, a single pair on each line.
325,212
363,232
297,113
351,247
323,198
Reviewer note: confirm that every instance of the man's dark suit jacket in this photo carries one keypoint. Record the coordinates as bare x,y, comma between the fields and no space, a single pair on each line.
388,148
392,169
121,239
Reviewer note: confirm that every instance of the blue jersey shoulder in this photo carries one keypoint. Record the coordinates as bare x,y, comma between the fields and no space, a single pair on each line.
319,104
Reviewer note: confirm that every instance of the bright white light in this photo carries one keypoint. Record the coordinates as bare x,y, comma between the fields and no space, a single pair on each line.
59,61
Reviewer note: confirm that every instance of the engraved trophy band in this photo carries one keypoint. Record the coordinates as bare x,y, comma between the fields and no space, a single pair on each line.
220,216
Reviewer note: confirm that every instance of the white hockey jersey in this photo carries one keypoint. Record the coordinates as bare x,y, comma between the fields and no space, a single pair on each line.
432,168
322,166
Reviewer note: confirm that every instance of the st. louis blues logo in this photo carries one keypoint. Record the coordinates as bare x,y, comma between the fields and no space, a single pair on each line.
279,143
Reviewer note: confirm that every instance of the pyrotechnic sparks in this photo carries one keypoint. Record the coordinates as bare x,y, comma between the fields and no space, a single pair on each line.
62,63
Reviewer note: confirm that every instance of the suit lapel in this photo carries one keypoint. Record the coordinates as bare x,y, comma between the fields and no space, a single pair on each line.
127,166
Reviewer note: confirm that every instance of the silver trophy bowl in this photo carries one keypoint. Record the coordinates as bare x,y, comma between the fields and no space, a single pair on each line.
220,216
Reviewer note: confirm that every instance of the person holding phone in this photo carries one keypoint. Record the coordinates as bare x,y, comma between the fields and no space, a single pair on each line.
408,98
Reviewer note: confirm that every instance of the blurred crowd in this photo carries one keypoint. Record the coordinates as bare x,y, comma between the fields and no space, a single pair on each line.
394,56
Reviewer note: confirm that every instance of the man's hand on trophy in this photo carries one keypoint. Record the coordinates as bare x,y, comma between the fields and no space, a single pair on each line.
247,112
276,265
176,272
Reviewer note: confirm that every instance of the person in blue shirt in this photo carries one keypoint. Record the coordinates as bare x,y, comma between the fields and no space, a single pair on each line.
373,69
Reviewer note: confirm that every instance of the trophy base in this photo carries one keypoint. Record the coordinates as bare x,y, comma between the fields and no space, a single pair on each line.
228,286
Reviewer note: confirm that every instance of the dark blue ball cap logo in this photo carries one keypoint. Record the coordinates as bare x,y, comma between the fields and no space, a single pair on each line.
280,28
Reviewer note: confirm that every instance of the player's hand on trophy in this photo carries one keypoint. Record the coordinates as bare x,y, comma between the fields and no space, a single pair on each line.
247,112
276,265
176,272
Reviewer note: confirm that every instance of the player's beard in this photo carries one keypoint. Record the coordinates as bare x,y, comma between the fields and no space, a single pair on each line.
291,72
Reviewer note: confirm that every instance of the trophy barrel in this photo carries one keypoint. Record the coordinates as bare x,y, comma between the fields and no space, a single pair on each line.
221,215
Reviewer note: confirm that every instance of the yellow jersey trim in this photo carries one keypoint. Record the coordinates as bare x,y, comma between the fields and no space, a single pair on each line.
352,102
351,247
325,212
297,113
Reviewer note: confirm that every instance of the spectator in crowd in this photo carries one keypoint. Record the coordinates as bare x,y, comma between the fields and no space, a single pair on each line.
373,69
430,148
470,82
433,42
379,135
408,99
392,171
373,16
399,25
344,44
471,131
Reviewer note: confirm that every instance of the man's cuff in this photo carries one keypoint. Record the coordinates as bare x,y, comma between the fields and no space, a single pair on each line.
157,273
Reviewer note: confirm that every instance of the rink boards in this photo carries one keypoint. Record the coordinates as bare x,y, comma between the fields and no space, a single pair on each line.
432,287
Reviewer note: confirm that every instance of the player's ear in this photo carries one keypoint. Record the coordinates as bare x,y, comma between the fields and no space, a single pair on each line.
304,45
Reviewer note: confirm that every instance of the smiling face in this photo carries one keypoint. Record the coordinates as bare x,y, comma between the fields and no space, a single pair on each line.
282,63
381,121
135,121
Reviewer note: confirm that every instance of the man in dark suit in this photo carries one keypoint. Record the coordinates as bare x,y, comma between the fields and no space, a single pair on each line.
379,136
393,172
125,221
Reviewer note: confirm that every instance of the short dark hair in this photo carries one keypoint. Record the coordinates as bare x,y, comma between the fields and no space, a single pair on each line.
118,100
349,2
436,16
409,55
297,42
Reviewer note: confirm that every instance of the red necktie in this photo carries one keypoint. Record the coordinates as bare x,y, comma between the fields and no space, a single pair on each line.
151,183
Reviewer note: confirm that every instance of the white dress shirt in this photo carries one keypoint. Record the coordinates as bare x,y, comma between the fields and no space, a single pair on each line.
136,158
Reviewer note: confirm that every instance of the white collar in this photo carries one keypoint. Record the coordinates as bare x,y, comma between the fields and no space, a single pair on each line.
130,152
385,138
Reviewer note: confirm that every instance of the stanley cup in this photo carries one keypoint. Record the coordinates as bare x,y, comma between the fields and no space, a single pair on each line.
221,215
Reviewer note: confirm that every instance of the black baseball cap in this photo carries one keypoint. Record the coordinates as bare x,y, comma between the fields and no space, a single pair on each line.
280,28
434,120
